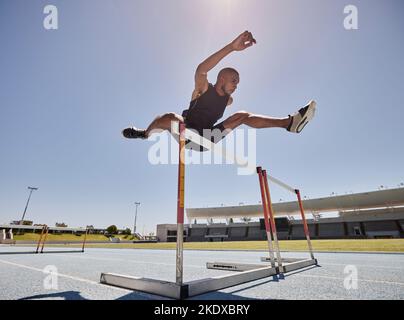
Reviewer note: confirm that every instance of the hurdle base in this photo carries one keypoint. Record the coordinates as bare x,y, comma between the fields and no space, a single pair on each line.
188,289
284,260
153,286
233,266
288,265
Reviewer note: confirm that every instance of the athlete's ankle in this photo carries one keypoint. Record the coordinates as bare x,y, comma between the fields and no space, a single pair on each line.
288,122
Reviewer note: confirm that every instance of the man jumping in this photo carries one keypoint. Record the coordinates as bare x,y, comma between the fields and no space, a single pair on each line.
209,102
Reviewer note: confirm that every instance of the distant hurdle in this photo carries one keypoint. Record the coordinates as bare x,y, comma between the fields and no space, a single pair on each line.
44,236
281,265
246,273
7,237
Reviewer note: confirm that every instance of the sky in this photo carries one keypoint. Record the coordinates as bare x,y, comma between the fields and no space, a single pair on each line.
66,94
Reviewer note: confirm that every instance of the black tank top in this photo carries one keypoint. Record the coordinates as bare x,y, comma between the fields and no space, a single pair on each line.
204,111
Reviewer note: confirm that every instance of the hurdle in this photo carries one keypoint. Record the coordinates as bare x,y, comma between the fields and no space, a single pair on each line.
44,235
180,289
271,232
303,216
282,265
43,232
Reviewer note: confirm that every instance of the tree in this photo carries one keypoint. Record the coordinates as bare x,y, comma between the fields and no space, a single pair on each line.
127,231
61,225
112,229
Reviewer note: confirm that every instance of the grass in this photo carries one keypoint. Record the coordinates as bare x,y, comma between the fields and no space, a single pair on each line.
365,245
380,245
69,237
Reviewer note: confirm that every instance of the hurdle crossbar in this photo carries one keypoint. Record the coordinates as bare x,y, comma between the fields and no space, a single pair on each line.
199,140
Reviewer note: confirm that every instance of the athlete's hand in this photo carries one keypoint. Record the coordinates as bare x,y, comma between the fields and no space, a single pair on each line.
243,41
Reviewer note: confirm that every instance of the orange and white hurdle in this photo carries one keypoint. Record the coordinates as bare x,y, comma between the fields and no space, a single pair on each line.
246,272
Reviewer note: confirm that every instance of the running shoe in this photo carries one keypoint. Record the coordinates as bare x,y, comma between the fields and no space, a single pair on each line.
302,117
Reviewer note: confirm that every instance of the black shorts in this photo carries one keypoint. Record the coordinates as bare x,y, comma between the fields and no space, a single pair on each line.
191,145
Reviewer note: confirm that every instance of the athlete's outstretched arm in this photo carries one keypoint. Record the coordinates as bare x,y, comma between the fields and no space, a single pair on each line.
242,42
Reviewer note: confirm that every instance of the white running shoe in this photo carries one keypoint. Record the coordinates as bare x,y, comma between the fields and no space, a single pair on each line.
302,117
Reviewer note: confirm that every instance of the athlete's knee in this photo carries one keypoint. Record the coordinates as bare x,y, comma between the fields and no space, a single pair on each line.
170,119
171,116
168,115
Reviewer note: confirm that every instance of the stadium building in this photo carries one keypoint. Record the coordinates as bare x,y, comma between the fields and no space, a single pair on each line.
375,214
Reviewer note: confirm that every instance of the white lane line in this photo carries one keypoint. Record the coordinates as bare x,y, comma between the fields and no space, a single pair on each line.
126,260
361,265
342,279
62,275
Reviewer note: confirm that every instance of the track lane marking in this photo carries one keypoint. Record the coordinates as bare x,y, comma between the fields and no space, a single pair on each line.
62,275
337,278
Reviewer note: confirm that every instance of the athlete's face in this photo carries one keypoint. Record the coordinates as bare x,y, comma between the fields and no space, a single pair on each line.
230,82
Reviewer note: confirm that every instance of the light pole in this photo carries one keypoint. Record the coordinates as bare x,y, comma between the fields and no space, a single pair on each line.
134,227
26,206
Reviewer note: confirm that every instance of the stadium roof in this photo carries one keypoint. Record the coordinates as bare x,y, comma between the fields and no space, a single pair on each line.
17,226
365,200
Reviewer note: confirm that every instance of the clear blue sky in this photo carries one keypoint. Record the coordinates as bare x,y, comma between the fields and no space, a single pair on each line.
66,94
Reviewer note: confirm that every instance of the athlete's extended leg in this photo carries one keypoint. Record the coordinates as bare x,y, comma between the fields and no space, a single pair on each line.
254,121
160,123
294,123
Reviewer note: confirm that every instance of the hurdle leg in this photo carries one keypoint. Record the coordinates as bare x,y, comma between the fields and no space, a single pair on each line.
306,228
266,217
44,239
84,241
272,220
180,206
40,239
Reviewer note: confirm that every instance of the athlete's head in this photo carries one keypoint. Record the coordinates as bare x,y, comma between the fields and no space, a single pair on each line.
228,79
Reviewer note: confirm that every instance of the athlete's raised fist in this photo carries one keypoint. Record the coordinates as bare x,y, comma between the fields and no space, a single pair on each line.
243,41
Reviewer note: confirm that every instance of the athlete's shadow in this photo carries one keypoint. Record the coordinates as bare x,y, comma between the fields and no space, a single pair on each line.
67,295
217,295
76,295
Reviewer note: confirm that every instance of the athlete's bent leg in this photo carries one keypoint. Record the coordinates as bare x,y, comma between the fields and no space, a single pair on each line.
160,123
163,122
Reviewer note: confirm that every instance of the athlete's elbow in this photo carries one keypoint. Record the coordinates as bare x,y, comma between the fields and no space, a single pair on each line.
202,69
